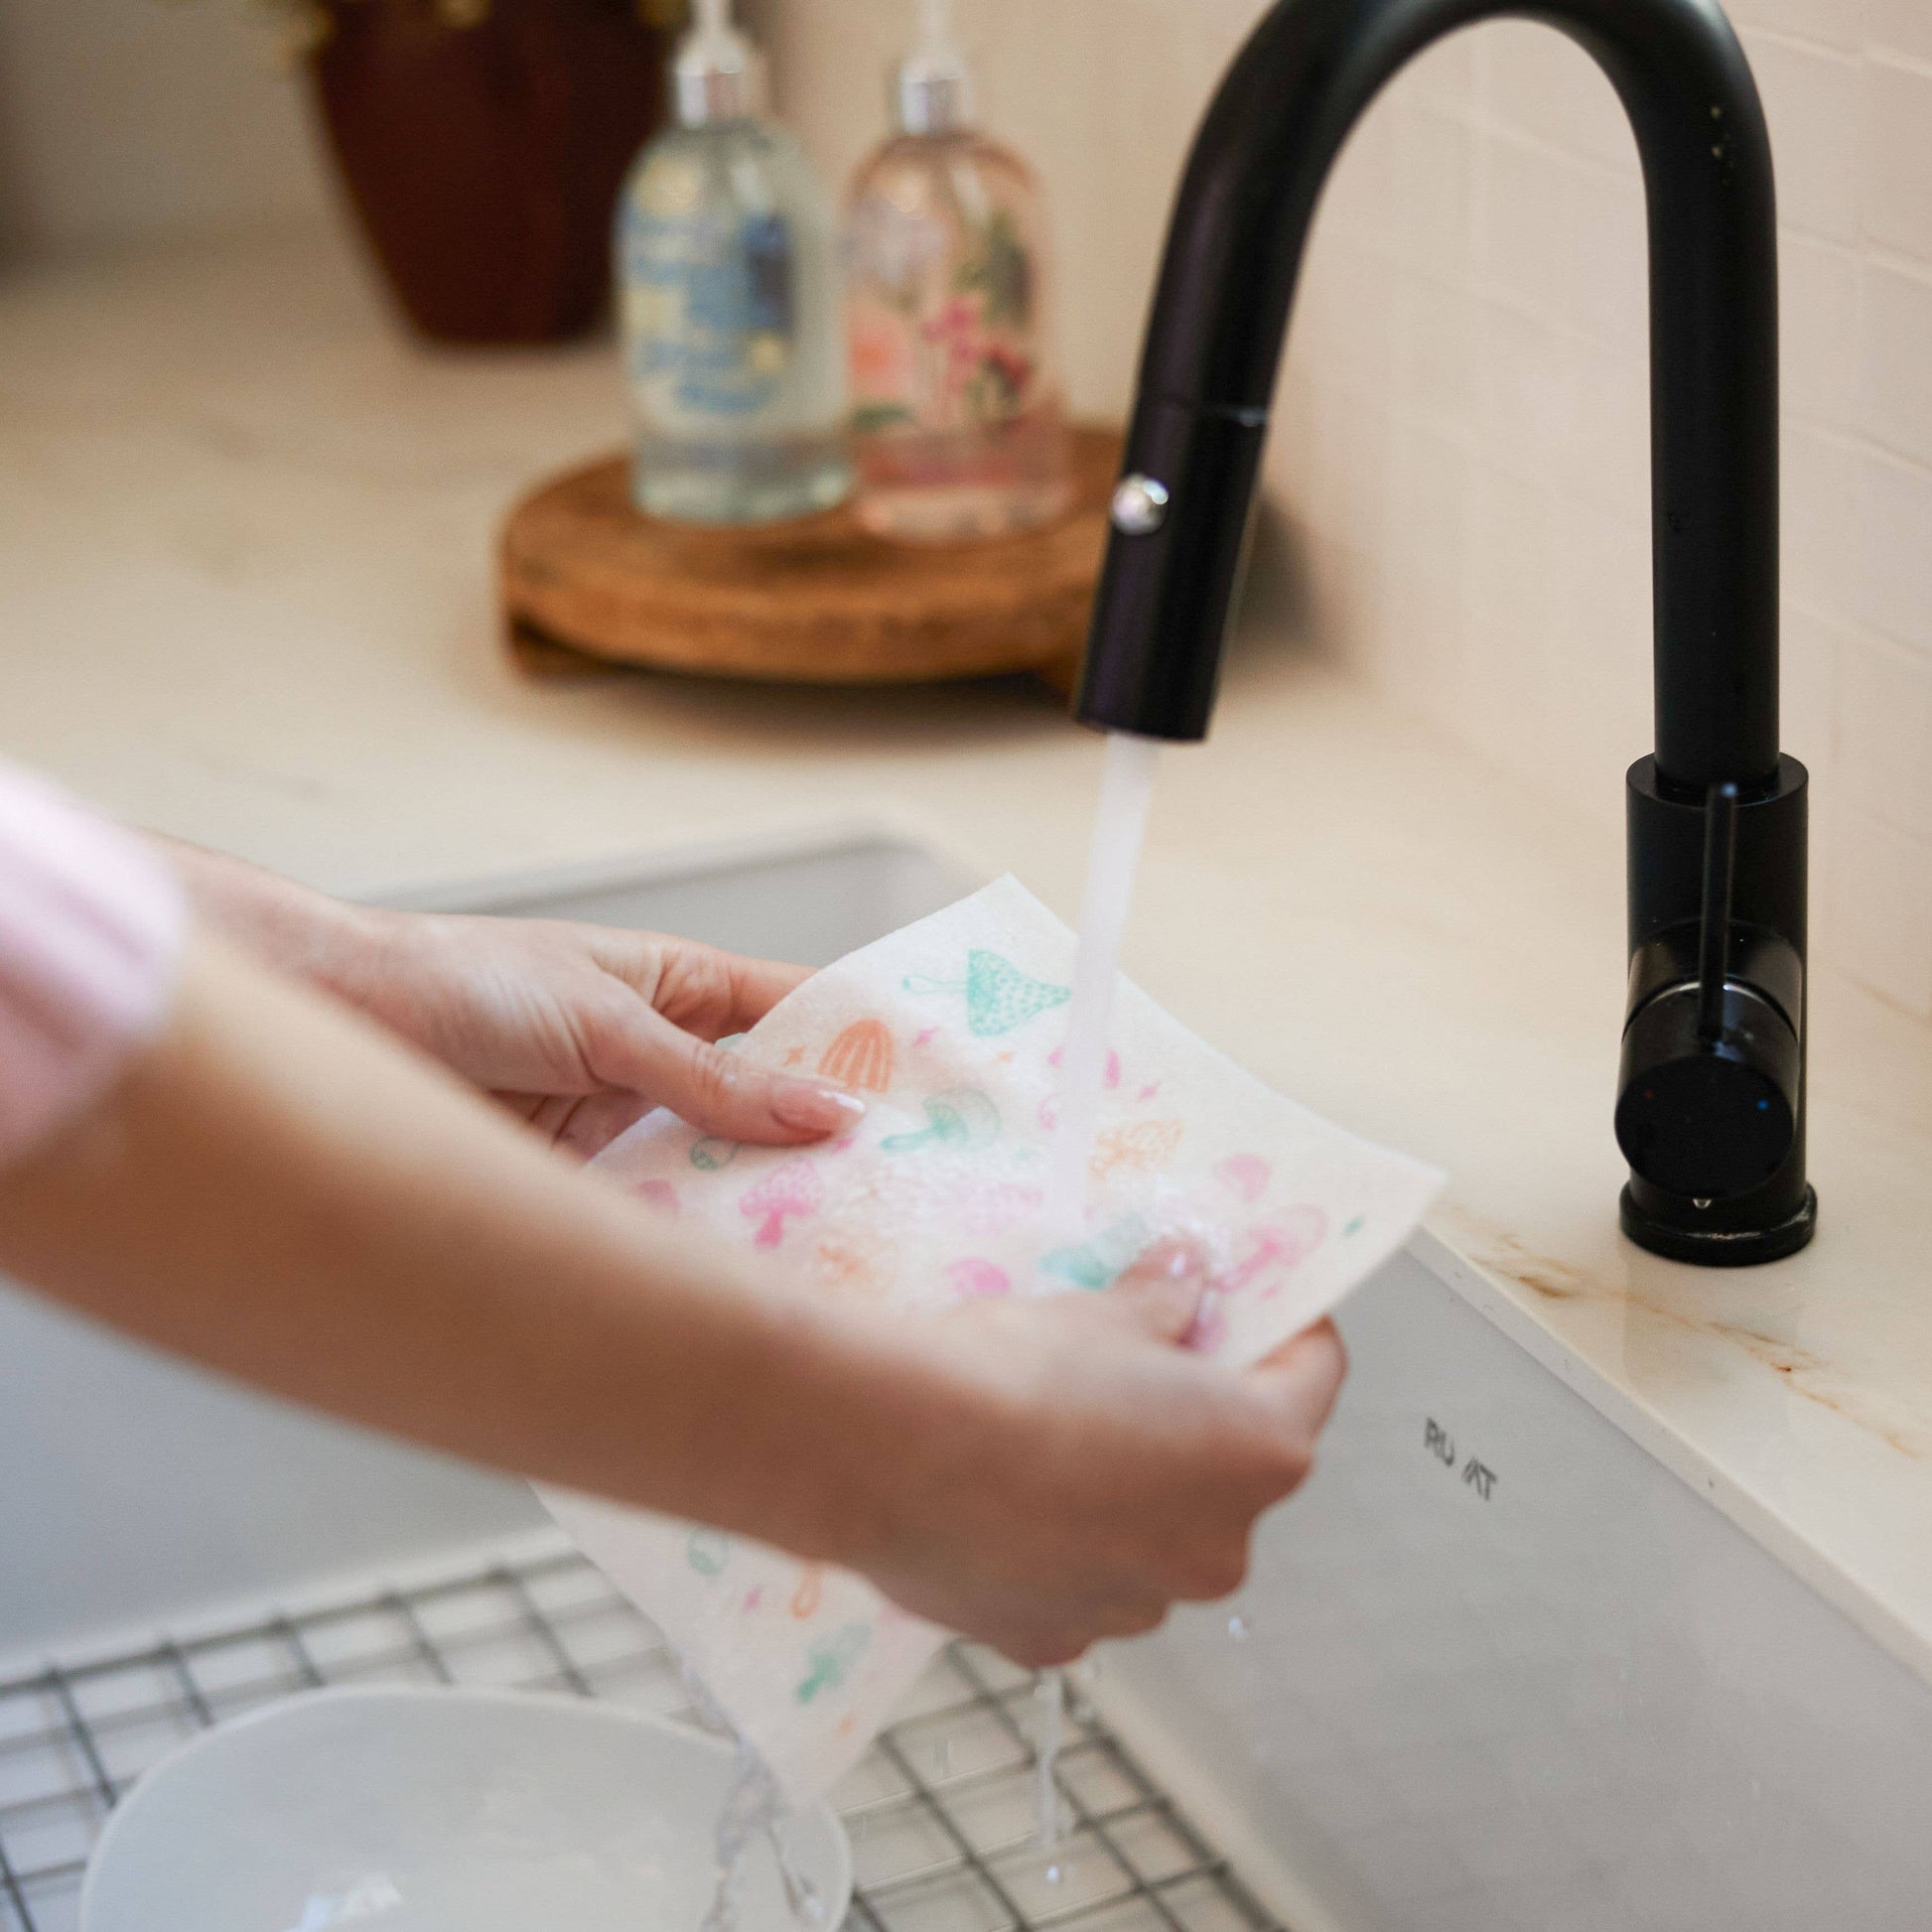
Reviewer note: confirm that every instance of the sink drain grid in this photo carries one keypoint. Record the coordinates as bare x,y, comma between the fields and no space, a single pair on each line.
941,1812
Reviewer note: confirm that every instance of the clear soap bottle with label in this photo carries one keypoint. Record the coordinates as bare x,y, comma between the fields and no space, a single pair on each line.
958,426
728,272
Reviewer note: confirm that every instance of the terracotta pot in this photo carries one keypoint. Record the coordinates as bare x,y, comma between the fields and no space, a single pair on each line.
484,161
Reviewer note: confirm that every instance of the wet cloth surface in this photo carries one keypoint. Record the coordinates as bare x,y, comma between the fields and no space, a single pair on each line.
952,1029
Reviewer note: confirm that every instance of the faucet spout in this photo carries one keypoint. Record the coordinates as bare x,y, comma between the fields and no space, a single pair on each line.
1234,256
1710,1114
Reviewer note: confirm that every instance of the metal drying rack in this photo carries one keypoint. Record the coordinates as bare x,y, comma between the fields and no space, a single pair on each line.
941,1811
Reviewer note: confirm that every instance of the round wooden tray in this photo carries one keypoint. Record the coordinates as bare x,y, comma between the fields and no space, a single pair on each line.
819,600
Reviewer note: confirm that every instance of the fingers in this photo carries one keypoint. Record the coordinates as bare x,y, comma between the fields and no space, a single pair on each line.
1160,1293
1046,1641
1305,1375
643,1051
659,1042
699,988
1037,1637
579,1125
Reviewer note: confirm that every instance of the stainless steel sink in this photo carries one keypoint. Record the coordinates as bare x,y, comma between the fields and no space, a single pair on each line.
1497,1667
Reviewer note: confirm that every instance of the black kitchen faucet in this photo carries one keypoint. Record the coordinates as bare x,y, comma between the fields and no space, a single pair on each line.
1711,1108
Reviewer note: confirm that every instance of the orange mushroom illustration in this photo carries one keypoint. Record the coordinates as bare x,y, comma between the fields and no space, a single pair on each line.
1148,1145
860,1057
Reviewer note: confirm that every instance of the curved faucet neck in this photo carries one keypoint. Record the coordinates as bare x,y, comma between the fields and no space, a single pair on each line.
1214,342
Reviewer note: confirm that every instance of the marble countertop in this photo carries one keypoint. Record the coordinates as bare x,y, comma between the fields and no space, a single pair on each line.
245,596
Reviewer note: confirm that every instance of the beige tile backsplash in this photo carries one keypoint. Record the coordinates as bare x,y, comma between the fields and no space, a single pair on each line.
1461,434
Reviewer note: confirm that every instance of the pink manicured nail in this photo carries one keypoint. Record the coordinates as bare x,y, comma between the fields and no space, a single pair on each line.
1179,1260
814,1106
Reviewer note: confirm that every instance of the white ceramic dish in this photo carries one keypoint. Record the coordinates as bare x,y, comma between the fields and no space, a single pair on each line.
421,1809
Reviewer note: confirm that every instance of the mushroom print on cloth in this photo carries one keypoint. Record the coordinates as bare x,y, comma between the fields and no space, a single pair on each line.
954,1027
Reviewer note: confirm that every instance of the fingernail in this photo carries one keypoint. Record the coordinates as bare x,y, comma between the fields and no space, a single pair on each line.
1179,1261
814,1106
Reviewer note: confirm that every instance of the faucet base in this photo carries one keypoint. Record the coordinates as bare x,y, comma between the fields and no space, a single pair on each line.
1714,1247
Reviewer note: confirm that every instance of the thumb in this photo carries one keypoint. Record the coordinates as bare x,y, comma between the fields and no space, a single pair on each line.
723,1094
1160,1293
1305,1375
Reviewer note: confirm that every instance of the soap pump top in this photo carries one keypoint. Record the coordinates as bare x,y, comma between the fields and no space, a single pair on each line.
932,88
717,72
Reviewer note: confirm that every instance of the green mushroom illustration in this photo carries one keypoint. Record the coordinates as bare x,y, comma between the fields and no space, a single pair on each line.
829,1661
960,1119
998,996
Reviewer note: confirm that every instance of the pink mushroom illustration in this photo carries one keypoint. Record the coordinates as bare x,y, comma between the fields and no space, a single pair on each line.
1285,1243
661,1194
791,1189
1247,1173
976,1276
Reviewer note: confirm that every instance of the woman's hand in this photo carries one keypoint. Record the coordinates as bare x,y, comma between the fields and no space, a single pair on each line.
273,1188
584,1029
1065,1471
580,1030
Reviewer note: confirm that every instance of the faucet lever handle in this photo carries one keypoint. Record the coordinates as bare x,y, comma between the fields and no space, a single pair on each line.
1713,935
1712,1069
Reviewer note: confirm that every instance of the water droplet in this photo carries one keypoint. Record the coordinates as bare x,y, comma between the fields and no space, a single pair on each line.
1055,1875
1238,1629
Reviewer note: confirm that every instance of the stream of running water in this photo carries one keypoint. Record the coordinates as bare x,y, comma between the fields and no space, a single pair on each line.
1113,858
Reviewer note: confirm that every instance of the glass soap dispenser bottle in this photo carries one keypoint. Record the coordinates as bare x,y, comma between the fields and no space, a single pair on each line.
958,426
728,273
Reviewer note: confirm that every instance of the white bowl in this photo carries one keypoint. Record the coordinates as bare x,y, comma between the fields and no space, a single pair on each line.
420,1810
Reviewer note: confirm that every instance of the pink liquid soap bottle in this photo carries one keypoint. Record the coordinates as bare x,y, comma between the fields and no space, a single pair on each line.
959,431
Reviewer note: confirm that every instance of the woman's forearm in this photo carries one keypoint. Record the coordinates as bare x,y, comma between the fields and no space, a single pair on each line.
297,930
279,1192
